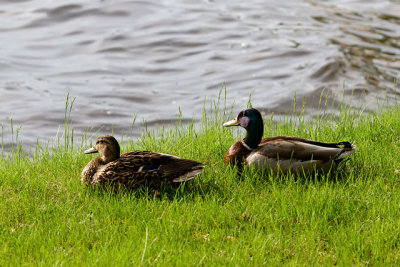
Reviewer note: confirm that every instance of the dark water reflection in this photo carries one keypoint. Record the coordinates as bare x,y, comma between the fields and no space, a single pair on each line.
120,58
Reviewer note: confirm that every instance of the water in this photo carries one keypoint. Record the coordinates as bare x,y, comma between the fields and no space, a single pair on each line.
120,58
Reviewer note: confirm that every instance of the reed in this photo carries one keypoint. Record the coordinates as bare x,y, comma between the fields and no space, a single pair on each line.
350,217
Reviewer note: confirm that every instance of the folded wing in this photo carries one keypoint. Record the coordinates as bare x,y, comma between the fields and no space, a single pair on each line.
297,153
137,167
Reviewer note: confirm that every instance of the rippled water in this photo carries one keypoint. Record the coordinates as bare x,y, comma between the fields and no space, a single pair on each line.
120,58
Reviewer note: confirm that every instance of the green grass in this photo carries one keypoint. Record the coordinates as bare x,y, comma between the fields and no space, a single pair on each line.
348,218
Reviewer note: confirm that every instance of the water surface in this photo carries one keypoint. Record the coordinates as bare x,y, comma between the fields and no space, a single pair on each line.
150,58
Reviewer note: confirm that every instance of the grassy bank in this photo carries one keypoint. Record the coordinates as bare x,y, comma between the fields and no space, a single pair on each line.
352,217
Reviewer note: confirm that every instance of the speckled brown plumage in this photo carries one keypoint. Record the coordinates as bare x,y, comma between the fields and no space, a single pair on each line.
135,168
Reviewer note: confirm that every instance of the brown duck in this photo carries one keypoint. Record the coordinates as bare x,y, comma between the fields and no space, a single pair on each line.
135,168
281,153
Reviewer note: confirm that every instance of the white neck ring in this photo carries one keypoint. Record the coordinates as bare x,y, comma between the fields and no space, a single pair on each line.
246,146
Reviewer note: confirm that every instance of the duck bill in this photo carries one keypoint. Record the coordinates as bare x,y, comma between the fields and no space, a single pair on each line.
234,122
91,150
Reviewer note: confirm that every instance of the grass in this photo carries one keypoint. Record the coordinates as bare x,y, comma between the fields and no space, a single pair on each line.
347,218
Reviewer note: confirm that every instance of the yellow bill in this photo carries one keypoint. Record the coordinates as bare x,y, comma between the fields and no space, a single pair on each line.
234,122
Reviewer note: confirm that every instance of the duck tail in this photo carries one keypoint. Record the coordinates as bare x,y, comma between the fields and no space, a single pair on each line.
180,170
348,149
189,175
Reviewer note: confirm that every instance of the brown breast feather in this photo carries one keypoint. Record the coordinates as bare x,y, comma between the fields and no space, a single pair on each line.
237,154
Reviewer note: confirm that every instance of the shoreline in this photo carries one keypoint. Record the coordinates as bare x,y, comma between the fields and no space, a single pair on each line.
348,217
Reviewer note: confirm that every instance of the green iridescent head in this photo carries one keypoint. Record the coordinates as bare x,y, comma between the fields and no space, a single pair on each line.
252,121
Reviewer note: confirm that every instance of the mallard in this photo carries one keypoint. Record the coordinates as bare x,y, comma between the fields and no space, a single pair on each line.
134,168
281,153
